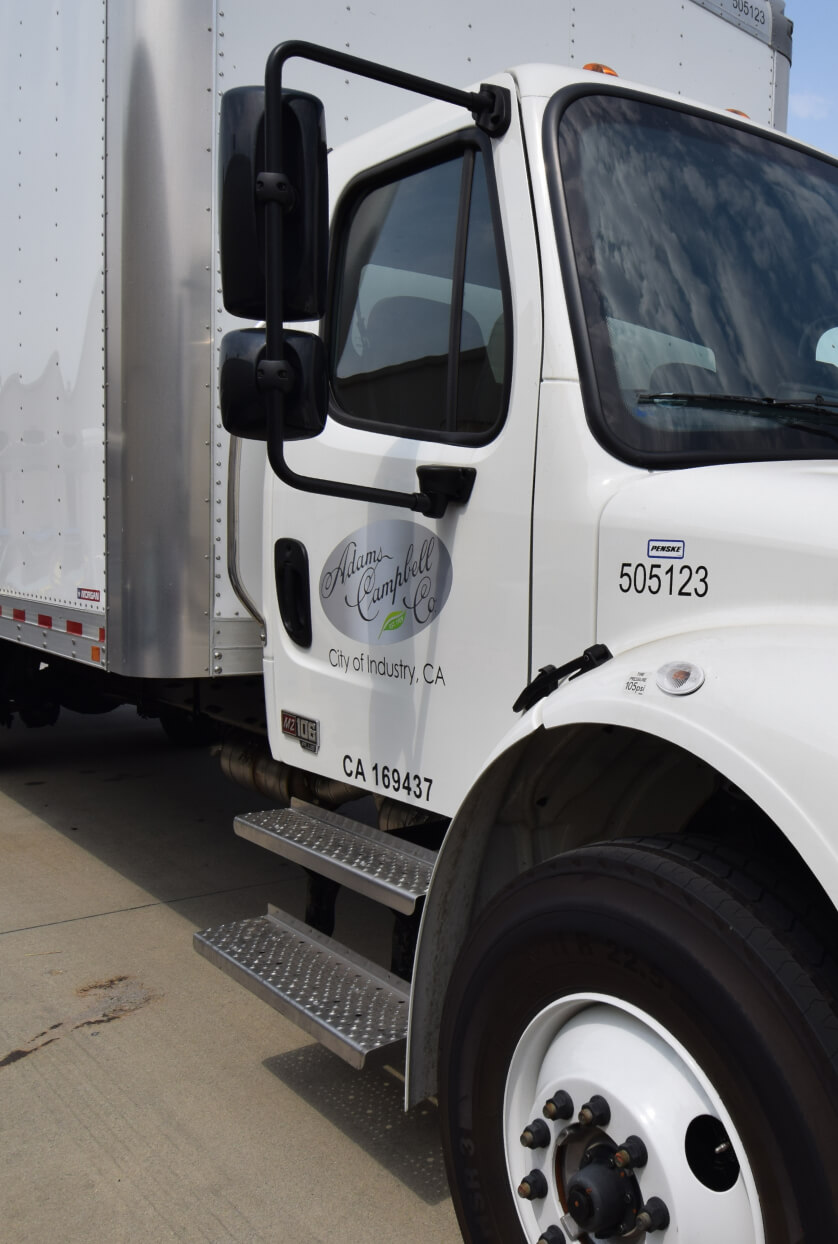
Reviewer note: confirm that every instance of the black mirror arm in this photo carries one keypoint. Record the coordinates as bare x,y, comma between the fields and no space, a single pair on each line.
491,108
440,485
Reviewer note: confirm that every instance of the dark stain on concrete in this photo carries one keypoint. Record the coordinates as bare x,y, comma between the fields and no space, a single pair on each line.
16,1055
112,999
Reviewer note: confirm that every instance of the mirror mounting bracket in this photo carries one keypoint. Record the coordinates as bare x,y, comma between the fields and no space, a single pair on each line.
275,374
275,188
444,484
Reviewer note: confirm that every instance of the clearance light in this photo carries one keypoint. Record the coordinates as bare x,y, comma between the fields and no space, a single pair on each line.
738,112
597,67
680,678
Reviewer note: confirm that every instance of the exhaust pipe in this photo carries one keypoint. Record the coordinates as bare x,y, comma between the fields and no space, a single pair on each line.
245,759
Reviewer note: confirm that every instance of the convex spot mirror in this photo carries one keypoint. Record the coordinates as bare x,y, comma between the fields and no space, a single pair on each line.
306,215
246,379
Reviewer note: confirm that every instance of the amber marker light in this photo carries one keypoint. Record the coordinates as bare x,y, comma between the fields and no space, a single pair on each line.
597,67
738,113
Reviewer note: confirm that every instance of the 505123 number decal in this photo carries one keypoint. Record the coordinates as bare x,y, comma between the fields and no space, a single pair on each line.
656,579
747,9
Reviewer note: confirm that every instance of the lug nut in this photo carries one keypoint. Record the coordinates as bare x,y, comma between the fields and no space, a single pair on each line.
536,1136
654,1215
632,1153
533,1186
553,1235
595,1113
559,1106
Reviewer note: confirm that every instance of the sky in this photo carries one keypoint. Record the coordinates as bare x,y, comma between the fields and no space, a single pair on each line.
813,95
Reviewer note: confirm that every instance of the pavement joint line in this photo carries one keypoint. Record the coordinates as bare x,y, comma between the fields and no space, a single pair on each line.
119,911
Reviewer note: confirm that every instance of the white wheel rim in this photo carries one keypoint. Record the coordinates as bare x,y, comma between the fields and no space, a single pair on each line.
592,1044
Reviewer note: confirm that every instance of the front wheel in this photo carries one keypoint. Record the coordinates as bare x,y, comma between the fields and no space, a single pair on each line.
636,1046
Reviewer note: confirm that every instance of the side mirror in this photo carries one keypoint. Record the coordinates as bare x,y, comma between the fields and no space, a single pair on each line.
302,189
246,377
243,407
241,158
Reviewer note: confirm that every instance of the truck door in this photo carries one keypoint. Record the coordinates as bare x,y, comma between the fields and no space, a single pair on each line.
419,627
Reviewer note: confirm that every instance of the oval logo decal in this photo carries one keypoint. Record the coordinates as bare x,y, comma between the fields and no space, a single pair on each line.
386,582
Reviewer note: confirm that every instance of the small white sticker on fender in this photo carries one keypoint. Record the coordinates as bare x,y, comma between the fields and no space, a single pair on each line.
636,684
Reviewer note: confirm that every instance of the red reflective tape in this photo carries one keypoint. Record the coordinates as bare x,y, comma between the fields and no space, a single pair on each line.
19,615
45,620
75,628
101,634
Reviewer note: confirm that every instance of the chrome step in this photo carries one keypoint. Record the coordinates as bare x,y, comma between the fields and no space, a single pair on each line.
387,869
355,1008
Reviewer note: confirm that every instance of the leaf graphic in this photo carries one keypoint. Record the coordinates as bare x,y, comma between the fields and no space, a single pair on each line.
393,621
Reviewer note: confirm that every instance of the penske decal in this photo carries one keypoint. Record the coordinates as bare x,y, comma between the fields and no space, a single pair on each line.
665,550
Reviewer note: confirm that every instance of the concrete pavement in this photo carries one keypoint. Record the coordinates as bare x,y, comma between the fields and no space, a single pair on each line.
143,1094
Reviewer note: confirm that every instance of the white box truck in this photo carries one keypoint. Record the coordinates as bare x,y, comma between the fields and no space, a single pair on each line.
509,512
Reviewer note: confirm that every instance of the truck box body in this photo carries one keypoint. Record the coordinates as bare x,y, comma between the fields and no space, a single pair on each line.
131,529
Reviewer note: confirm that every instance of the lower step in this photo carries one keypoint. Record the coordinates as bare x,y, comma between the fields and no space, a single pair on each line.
352,1006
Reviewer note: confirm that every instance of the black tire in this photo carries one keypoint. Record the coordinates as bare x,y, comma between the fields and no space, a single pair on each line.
689,940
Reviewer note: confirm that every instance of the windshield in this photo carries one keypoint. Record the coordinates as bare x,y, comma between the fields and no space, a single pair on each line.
707,260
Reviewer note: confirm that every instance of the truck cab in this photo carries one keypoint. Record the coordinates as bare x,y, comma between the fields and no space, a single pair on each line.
503,306
547,527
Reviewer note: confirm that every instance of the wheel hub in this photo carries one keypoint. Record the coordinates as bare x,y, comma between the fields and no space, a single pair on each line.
602,1198
651,1145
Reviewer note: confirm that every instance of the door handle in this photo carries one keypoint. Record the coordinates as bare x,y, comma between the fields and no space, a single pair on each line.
293,593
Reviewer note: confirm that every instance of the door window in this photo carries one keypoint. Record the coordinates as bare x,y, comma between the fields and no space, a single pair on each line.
419,316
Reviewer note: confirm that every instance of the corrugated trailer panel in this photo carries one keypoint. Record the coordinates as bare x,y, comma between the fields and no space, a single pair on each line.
685,49
52,328
675,45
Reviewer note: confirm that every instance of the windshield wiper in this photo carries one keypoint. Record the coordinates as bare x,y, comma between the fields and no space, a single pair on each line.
818,402
775,409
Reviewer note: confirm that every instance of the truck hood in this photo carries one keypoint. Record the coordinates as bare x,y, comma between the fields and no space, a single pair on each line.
730,545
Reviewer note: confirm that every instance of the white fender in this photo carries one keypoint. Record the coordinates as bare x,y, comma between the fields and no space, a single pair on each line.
762,716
